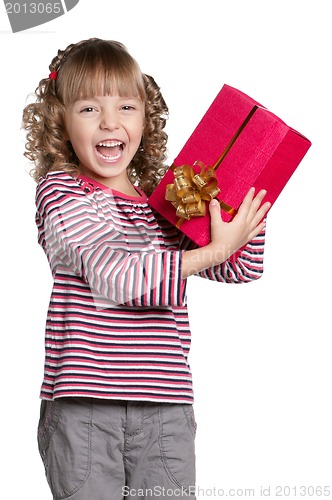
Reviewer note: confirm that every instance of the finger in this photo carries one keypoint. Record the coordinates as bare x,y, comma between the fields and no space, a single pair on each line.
257,230
247,200
260,195
255,205
263,209
257,201
250,197
260,214
215,213
251,203
246,203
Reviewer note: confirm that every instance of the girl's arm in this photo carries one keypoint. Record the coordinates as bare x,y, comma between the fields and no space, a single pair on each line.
75,236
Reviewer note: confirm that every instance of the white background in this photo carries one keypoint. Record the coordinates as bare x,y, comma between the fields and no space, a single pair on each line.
261,352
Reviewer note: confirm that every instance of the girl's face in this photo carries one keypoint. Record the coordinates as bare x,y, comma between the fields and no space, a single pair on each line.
105,132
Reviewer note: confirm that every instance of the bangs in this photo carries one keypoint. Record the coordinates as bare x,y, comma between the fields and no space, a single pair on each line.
103,68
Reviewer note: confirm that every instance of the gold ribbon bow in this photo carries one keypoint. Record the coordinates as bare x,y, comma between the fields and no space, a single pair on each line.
191,191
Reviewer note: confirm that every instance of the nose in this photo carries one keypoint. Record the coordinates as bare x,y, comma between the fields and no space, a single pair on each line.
109,120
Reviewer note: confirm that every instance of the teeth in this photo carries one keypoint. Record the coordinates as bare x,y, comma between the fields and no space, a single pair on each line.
110,158
111,144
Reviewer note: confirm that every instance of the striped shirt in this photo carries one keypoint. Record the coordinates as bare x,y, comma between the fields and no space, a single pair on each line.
117,325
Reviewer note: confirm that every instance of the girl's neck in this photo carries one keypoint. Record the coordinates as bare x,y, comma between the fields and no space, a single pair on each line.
124,188
120,184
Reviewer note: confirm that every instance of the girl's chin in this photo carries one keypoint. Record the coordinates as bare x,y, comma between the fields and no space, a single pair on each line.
106,170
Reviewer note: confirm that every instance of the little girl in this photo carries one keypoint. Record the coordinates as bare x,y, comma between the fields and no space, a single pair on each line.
116,413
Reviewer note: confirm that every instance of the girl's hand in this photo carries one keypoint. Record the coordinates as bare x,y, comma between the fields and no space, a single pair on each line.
227,237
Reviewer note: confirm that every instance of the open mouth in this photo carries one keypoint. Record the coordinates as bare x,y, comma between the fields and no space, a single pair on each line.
110,150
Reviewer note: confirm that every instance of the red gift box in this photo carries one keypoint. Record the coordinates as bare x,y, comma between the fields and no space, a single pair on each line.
237,144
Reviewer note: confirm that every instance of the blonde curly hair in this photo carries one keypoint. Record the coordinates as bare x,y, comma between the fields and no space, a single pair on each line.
86,69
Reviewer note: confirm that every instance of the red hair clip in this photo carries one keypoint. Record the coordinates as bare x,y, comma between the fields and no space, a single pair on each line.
53,75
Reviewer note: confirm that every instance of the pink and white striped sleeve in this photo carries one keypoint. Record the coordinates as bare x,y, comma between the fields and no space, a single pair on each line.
242,267
71,232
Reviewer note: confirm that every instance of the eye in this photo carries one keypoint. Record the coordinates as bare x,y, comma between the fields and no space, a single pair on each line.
88,109
128,107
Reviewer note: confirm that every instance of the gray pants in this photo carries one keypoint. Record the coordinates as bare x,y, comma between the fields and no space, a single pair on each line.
97,449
